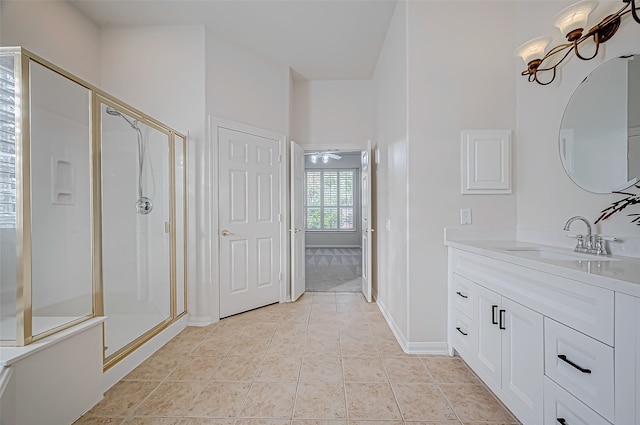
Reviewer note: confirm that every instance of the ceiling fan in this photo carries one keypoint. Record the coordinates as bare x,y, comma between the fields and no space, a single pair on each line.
323,156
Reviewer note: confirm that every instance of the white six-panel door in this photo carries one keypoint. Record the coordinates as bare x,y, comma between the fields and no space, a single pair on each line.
248,220
367,225
297,229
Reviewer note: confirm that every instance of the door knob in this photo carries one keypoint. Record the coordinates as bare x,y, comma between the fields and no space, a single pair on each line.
225,232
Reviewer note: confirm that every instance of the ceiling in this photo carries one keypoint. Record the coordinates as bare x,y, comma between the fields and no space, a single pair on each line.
318,39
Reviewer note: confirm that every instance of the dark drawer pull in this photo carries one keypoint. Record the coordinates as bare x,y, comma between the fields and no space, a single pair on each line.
462,295
566,360
460,330
494,318
563,421
502,319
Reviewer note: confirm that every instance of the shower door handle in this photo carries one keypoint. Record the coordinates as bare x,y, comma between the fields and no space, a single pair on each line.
225,232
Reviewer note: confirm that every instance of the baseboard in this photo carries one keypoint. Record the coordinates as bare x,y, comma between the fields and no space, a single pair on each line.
133,360
393,326
333,246
201,321
438,348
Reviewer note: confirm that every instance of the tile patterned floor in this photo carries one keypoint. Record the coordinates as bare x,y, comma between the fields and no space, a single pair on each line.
328,359
333,269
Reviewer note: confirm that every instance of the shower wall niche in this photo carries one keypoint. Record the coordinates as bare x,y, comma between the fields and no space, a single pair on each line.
92,210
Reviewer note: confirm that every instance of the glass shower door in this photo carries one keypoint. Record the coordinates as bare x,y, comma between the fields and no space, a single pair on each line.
136,249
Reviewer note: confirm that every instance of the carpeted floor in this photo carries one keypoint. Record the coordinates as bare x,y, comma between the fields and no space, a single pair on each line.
333,269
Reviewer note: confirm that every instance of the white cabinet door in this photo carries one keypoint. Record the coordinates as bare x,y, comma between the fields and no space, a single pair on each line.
522,359
489,352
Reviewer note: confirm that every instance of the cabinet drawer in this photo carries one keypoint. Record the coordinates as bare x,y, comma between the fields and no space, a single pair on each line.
465,335
463,295
581,365
584,307
559,405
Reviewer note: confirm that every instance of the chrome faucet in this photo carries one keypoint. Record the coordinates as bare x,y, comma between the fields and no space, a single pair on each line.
593,244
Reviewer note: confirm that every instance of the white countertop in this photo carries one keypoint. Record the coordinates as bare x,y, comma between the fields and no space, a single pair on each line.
617,273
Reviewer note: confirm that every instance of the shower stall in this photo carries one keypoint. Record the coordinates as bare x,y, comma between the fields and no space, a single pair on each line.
92,211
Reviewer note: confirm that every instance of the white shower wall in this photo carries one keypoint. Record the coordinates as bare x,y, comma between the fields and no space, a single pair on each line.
135,247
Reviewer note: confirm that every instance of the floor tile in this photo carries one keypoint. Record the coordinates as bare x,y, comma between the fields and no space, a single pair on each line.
195,369
234,368
88,420
123,398
220,399
371,401
321,369
406,370
320,401
422,402
152,421
170,399
363,369
327,359
279,369
475,403
449,370
269,400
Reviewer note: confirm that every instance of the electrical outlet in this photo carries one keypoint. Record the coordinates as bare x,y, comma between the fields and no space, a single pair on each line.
387,225
465,216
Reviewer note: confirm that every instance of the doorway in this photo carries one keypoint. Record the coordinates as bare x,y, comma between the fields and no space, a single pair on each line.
332,210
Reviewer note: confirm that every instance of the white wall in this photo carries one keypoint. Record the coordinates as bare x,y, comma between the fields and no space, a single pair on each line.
161,71
465,83
244,86
337,112
390,176
56,31
61,196
546,196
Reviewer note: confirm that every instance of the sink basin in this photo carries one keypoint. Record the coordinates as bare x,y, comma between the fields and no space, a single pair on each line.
555,255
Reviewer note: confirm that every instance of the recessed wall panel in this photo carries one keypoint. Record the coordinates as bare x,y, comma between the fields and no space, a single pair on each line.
265,196
238,151
238,196
264,156
265,259
239,266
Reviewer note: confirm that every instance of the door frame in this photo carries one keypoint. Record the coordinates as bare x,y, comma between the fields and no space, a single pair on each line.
342,147
214,124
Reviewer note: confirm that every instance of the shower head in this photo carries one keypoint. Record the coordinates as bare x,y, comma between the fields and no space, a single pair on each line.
116,113
112,111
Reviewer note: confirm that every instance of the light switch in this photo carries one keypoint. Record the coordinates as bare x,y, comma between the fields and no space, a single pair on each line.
465,216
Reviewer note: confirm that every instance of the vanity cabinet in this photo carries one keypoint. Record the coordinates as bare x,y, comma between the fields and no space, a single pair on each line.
544,343
503,345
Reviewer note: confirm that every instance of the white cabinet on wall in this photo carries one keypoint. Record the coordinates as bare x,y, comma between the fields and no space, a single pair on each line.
553,349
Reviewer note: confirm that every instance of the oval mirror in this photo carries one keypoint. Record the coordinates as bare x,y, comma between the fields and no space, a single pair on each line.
599,137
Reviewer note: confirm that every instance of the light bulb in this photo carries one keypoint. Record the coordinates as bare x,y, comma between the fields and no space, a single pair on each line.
325,158
314,158
533,49
573,19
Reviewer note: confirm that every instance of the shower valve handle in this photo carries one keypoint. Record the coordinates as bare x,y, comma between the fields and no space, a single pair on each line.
225,232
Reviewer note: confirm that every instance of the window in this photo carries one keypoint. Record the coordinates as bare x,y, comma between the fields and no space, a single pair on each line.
7,145
329,199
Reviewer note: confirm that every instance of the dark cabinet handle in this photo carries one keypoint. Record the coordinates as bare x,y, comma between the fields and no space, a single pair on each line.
502,319
460,330
563,421
566,360
494,318
462,295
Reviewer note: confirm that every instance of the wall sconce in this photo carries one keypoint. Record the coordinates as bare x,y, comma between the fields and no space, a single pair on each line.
571,23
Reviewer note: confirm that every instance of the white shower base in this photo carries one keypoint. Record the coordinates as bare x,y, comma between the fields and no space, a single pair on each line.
39,325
